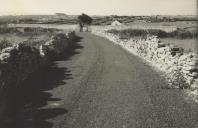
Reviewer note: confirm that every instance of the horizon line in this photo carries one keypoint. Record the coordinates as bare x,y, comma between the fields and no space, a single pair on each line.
33,14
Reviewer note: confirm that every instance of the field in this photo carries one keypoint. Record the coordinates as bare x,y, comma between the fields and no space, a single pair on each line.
66,27
182,33
10,36
186,44
13,38
166,24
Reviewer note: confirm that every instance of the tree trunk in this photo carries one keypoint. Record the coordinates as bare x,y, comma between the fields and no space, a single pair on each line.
87,28
81,27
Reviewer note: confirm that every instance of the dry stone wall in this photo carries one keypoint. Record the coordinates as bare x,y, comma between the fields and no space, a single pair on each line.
181,67
19,61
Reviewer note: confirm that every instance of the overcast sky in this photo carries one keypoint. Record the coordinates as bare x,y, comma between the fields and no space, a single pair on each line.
99,7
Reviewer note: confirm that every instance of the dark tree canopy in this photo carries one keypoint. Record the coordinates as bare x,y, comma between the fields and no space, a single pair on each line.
84,20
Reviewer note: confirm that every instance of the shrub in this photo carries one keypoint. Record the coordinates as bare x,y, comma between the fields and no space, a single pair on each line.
56,45
22,62
5,43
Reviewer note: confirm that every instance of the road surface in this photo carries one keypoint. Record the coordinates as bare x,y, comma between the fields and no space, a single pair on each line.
100,85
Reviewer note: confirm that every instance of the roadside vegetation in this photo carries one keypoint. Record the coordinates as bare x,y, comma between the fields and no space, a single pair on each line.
14,35
5,43
178,34
25,55
184,38
21,60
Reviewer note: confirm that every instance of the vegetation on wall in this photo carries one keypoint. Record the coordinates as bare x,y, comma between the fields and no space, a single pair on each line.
179,33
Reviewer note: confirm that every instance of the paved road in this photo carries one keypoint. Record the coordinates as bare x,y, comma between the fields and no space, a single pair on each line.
100,85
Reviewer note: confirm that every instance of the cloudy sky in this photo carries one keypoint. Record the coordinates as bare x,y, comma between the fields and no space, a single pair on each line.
99,7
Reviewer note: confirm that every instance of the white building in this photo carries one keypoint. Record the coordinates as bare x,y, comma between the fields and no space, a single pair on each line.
116,23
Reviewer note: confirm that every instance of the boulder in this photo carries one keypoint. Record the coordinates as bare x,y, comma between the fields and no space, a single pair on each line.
7,50
186,71
193,74
195,84
4,56
161,45
192,63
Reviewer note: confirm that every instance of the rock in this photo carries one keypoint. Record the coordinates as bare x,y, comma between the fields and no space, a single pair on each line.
195,84
186,71
7,50
173,53
193,74
190,68
4,56
161,45
48,43
192,63
189,80
176,49
183,57
41,50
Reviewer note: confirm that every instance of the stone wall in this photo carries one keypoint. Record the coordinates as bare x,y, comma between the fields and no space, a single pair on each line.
20,61
180,67
17,62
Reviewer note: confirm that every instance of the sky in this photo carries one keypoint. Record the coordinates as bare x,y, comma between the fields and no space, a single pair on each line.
99,7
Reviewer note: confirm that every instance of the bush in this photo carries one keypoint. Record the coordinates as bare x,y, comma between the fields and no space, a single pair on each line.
56,45
5,43
22,62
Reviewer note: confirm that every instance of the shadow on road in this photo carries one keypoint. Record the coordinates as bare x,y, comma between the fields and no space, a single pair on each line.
26,105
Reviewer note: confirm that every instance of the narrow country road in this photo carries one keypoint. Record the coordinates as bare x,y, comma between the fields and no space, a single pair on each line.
100,85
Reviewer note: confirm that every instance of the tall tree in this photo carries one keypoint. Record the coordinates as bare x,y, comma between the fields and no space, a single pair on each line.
84,20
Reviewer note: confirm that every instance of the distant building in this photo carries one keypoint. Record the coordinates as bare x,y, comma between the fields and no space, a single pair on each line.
116,23
61,14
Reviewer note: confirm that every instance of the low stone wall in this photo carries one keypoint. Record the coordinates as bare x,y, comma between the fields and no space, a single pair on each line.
20,61
181,68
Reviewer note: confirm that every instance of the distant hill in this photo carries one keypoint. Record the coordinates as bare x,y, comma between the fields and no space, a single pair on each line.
62,18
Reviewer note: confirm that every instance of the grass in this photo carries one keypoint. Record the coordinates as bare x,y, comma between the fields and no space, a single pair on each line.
16,39
166,26
179,33
48,26
184,38
12,38
16,35
186,44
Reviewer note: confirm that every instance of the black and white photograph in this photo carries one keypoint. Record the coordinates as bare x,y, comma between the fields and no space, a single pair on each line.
98,64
